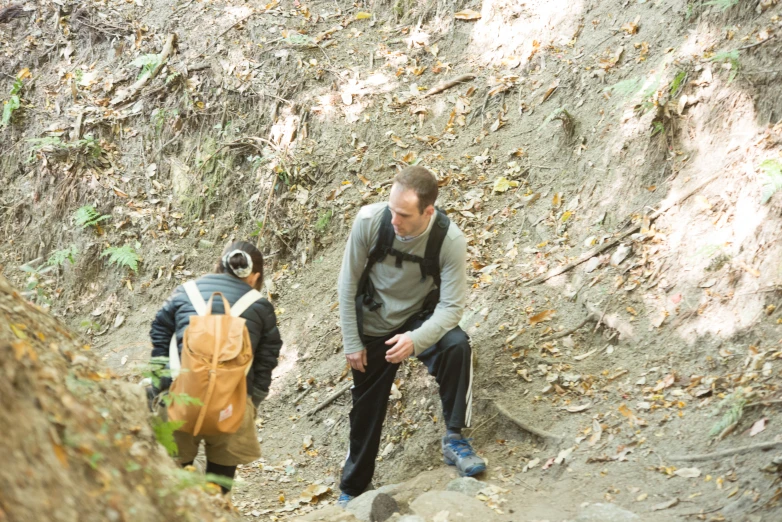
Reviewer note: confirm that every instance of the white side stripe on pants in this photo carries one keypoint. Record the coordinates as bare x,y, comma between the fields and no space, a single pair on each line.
468,413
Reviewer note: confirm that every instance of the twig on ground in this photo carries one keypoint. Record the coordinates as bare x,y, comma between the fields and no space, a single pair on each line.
331,398
526,427
448,84
726,453
762,402
126,94
622,235
750,46
217,39
590,317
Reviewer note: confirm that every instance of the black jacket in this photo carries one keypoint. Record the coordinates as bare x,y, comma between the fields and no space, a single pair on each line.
260,320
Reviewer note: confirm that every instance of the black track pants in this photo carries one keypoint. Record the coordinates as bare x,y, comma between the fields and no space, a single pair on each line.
449,361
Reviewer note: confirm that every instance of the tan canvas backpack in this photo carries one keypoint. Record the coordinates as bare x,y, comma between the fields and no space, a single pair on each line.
216,358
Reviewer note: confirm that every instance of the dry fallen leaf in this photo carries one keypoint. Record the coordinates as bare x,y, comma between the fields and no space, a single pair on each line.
502,184
597,433
631,27
468,15
665,505
688,472
758,427
363,16
546,315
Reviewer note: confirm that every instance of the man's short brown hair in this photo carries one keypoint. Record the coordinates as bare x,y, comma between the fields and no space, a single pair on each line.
422,182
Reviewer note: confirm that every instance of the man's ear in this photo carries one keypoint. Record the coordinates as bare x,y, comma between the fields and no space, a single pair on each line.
428,211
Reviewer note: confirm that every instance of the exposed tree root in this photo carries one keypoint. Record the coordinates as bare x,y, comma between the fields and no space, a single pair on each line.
331,398
448,84
727,453
526,427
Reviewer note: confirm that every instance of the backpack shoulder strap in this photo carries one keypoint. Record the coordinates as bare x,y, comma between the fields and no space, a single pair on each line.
245,302
194,294
385,239
434,244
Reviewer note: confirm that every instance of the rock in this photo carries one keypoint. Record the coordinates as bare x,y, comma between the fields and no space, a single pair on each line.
409,518
178,259
203,243
606,513
383,506
361,506
459,506
328,514
466,485
622,251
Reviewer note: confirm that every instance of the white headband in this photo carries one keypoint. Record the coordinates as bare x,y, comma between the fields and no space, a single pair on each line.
238,272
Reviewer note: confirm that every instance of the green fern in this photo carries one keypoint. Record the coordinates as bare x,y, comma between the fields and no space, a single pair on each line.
87,216
182,399
723,4
123,256
164,433
735,403
59,257
773,170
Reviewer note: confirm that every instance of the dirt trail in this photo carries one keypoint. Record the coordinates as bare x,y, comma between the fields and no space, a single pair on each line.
637,144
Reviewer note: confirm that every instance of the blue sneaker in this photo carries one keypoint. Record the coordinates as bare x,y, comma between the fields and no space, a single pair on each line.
458,452
343,500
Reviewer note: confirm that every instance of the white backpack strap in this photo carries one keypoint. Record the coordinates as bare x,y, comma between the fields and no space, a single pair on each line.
174,364
245,302
194,294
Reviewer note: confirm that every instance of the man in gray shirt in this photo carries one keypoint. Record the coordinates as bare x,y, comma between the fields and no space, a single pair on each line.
402,289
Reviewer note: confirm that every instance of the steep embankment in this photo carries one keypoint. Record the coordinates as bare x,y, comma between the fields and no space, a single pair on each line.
76,442
615,166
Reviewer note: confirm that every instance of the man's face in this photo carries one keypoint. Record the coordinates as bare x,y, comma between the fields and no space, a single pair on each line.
407,219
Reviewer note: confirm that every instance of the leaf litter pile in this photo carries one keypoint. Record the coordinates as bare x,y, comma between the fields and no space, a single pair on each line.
624,320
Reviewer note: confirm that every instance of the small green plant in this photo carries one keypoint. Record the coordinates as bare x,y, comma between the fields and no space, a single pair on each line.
258,230
12,103
87,216
88,325
734,404
124,256
181,399
164,433
155,369
772,169
59,257
677,83
147,62
722,4
731,57
95,459
658,127
625,88
324,218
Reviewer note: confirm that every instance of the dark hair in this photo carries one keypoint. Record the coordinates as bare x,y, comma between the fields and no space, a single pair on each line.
422,182
238,261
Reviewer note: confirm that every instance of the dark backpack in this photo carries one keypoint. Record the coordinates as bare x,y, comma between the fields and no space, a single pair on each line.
384,246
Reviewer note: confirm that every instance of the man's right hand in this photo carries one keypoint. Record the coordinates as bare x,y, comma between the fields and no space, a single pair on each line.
357,360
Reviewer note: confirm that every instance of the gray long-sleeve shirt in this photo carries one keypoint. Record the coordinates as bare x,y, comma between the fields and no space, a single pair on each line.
400,291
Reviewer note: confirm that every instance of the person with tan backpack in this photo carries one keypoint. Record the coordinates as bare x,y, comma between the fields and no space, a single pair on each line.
221,339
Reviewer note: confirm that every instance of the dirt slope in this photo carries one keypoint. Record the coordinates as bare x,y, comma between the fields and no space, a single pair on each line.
641,138
76,442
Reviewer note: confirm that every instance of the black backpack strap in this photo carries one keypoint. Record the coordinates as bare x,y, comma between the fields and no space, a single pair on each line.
431,262
379,251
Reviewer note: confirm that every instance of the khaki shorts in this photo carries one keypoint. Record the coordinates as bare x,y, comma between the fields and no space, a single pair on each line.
228,449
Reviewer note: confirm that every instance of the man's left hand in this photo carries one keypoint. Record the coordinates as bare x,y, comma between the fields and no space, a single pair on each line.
401,348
